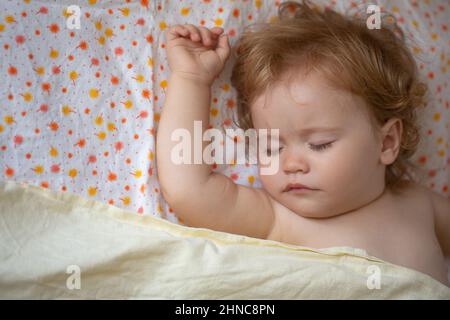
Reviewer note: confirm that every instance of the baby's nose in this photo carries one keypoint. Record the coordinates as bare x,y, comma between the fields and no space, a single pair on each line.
294,162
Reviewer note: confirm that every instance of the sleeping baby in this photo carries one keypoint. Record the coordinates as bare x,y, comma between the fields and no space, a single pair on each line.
343,98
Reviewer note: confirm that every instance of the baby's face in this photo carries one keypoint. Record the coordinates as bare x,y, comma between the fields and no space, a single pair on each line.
340,160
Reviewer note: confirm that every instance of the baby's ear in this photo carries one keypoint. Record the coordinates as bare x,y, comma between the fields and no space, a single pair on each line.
391,138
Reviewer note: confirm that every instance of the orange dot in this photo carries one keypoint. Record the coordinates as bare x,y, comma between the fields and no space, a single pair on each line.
112,176
118,51
9,172
54,28
12,71
83,45
422,159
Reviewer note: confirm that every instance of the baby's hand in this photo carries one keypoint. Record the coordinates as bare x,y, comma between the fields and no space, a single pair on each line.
197,53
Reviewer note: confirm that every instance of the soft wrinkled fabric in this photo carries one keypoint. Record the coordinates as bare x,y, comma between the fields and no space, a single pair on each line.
45,236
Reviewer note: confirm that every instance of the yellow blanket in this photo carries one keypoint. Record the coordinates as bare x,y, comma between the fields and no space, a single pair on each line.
60,245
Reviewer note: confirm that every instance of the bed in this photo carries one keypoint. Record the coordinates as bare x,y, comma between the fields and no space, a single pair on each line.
80,107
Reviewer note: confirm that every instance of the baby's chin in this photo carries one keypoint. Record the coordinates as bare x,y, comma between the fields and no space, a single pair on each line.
307,208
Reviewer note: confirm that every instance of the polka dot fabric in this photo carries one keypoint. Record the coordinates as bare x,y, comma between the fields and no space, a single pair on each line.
79,108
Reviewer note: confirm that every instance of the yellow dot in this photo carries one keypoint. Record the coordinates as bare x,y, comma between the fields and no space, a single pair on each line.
125,11
8,119
9,19
98,25
92,2
66,13
441,153
92,191
150,62
73,75
108,32
27,96
102,135
93,93
163,84
126,200
434,36
138,174
39,169
2,27
218,22
99,120
101,40
54,54
128,104
111,126
156,116
1,128
185,11
53,152
66,110
437,116
140,78
226,87
40,71
251,179
151,155
214,112
162,25
258,4
439,140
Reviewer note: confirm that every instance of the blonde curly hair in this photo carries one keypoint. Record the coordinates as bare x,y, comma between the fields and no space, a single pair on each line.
374,64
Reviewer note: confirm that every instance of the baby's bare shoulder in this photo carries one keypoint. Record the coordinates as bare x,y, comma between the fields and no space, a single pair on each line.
411,190
412,197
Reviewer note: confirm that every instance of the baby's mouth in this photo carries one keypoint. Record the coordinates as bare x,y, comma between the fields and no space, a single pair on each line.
297,187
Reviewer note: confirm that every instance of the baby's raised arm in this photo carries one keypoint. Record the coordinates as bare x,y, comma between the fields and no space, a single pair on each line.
199,196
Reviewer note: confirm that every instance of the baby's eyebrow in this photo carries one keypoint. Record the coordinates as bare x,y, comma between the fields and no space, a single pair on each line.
308,131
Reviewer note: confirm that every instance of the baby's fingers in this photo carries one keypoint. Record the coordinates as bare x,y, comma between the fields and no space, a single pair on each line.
207,36
216,31
177,31
195,34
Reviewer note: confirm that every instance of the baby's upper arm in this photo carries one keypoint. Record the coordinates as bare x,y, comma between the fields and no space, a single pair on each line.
441,206
222,205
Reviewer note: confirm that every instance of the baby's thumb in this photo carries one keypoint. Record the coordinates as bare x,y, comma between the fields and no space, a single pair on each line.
223,48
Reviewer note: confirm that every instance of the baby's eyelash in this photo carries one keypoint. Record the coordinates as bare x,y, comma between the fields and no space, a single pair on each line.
320,147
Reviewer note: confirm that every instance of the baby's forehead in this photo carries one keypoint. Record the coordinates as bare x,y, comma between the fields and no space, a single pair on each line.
300,89
282,105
